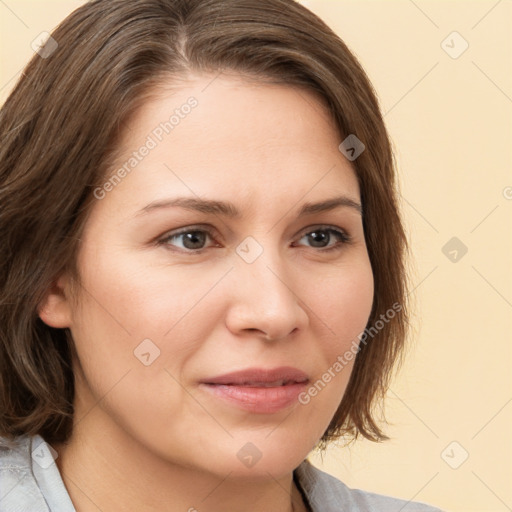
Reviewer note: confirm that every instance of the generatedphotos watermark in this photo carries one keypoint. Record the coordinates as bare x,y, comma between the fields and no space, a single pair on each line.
345,358
152,140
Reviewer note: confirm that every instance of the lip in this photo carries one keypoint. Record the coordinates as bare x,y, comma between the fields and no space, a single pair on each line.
259,376
258,390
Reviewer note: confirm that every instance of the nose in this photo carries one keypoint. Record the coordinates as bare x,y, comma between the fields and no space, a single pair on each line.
264,300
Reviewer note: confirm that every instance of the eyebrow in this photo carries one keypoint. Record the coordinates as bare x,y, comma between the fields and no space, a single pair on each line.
228,209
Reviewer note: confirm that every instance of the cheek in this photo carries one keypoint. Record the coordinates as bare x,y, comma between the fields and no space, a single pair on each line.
343,302
126,301
144,299
344,308
134,333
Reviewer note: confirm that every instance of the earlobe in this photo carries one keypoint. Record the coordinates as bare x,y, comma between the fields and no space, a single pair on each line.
54,310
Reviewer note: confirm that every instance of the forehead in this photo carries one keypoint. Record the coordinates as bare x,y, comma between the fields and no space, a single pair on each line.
230,138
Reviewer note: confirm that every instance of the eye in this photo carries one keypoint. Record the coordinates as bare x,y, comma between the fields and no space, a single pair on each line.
189,239
326,238
194,239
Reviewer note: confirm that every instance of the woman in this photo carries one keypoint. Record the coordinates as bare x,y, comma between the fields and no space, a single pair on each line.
202,262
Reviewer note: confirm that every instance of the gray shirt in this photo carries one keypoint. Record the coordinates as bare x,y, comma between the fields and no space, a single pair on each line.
30,482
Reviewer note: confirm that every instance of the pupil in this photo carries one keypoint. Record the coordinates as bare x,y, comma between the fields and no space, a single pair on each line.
194,240
319,238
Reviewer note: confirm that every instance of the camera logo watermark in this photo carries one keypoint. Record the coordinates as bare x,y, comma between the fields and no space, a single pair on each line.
44,455
351,147
249,454
44,44
454,45
249,250
146,352
454,455
454,249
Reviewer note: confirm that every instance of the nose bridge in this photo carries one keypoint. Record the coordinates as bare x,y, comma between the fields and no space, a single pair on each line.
262,265
264,297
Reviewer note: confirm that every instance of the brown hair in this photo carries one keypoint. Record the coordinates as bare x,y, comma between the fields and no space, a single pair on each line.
59,129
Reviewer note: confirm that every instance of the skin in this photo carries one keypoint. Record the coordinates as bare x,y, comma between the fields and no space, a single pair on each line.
149,437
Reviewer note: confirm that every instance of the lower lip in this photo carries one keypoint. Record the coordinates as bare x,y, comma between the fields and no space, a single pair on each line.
258,400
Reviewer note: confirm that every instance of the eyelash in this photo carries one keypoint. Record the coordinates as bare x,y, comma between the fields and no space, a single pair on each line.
342,235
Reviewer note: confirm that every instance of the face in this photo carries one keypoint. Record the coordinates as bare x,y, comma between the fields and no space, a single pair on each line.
206,318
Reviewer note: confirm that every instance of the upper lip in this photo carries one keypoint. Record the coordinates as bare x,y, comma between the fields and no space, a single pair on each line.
255,376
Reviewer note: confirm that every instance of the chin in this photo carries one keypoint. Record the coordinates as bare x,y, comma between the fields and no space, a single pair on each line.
258,454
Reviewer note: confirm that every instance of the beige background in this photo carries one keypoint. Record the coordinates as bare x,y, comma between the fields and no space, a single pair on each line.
451,122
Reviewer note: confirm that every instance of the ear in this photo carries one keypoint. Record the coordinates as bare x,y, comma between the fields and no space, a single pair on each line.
55,309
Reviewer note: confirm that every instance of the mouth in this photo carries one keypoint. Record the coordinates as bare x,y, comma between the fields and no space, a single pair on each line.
260,377
260,384
258,390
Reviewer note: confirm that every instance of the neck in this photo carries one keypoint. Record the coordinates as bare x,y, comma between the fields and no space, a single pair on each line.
108,470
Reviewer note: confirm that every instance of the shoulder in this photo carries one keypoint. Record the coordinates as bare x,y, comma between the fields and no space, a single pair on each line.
328,494
19,488
29,477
